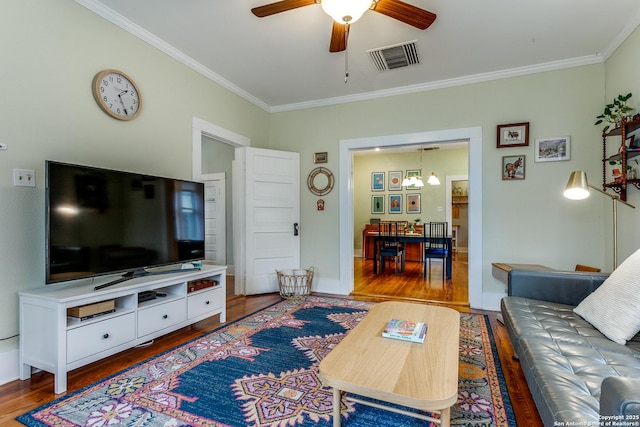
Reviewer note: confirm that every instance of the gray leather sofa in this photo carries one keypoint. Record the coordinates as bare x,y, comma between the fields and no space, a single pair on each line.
575,374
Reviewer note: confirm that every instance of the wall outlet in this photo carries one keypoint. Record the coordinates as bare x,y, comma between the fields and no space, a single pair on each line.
24,178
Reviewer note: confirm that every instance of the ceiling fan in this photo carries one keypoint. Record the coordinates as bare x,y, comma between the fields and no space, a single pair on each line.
345,13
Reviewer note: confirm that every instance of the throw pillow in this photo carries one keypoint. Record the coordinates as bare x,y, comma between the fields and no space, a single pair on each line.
614,308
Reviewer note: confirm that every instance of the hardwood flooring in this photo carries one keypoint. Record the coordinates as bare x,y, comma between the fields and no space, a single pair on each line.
18,397
411,285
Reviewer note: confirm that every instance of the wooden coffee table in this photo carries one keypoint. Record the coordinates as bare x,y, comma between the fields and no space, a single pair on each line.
421,376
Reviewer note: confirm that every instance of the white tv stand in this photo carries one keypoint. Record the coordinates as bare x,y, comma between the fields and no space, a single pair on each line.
56,343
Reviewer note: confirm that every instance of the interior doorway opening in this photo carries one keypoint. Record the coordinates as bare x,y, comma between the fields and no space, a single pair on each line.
203,133
346,149
417,206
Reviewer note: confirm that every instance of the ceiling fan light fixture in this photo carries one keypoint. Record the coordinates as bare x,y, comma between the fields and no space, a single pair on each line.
345,11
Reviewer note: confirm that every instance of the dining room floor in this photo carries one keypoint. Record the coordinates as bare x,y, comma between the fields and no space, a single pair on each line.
411,285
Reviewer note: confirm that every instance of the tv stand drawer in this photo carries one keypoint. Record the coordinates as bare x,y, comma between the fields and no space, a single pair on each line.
88,340
203,302
161,316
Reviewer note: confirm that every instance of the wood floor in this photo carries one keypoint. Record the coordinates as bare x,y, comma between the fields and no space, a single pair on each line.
411,284
19,397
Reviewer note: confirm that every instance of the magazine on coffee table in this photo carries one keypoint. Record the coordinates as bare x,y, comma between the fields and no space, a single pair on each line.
405,330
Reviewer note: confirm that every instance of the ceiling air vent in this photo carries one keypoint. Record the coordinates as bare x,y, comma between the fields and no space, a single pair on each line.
396,56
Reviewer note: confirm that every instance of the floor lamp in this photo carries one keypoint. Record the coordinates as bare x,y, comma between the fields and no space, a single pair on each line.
578,189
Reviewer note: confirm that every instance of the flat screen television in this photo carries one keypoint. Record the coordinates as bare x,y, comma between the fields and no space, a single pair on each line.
104,222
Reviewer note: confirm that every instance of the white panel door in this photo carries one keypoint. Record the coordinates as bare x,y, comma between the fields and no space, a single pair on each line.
214,218
271,217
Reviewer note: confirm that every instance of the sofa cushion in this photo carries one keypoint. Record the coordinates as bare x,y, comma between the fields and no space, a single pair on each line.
525,317
614,308
565,378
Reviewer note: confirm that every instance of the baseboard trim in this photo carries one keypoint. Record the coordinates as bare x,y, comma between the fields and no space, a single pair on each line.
9,366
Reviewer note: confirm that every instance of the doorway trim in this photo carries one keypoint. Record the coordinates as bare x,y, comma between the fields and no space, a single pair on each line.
346,148
449,197
202,128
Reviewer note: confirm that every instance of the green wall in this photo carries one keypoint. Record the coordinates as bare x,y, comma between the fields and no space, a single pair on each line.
621,73
522,221
441,162
51,50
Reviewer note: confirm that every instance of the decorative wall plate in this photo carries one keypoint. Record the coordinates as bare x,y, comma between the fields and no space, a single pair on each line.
320,181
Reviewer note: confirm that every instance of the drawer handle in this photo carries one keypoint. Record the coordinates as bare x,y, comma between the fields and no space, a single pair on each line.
166,316
105,336
206,302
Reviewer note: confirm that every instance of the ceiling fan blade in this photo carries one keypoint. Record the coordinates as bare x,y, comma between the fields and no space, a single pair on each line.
281,6
405,12
339,36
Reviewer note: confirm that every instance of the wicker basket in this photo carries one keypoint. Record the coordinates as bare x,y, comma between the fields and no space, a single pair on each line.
295,284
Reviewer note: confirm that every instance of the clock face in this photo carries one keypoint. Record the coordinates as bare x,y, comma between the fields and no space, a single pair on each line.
117,95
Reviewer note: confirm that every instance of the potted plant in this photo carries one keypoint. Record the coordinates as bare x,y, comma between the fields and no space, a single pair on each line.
614,113
630,171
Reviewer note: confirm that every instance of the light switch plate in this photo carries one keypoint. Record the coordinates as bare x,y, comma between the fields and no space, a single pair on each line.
24,178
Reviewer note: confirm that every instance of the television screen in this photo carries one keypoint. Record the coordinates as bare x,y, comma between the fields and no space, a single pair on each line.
102,221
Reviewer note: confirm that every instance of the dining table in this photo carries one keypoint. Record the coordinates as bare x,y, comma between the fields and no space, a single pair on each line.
409,237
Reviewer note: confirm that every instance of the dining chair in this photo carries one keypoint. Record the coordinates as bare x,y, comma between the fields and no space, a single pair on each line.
390,244
435,246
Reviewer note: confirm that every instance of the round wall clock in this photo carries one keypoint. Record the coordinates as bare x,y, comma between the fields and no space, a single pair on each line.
117,94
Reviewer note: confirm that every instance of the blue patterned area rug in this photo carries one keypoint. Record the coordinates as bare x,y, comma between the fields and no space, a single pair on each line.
263,371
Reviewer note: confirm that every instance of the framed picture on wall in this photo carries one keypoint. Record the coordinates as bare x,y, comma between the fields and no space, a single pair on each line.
320,157
377,181
413,203
377,204
553,149
512,168
410,173
513,135
395,180
395,203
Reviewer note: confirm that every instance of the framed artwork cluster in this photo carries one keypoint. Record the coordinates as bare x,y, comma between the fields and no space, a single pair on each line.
394,203
550,149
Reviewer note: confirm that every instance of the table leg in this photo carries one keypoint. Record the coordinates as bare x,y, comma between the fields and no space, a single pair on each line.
375,256
449,259
336,407
445,417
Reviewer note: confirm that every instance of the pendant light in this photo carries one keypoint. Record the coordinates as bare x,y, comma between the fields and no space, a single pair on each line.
416,181
433,179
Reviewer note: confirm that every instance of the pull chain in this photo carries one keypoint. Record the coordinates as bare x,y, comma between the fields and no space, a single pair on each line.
346,65
346,53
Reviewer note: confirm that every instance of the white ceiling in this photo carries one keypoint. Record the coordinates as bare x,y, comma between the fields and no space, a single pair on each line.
282,62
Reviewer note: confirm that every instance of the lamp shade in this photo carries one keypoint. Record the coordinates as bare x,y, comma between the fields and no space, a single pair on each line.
416,181
433,179
577,188
345,11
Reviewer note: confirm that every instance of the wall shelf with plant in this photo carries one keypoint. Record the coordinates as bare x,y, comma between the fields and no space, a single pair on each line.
621,165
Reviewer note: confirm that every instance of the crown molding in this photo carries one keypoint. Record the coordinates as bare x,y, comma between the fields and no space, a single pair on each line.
139,32
626,31
127,25
441,84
